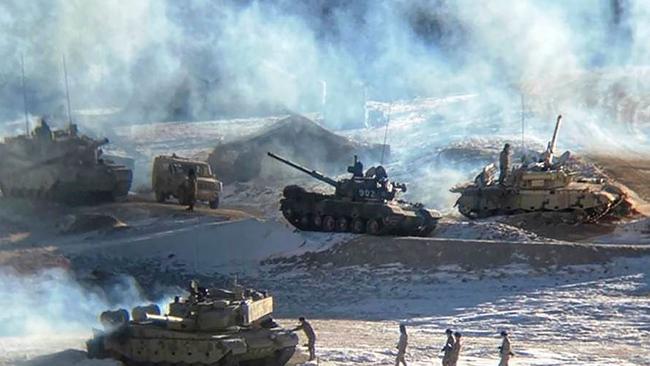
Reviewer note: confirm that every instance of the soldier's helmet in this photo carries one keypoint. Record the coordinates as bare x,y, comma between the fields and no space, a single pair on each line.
457,335
506,146
449,331
504,333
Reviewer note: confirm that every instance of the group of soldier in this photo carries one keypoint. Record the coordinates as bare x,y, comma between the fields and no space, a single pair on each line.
451,349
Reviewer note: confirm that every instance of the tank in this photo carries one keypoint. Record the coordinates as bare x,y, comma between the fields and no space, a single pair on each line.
60,165
547,184
209,327
364,203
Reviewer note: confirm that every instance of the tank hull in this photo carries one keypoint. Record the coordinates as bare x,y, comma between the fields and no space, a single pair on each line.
69,185
312,211
587,201
140,344
66,168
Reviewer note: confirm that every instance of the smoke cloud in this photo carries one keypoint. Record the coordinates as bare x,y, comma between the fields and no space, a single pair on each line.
51,301
170,60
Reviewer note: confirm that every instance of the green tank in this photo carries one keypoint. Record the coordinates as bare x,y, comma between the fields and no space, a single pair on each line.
364,203
60,165
214,327
545,185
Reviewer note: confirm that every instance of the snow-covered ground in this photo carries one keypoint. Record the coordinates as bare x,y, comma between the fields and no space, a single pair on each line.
577,315
580,315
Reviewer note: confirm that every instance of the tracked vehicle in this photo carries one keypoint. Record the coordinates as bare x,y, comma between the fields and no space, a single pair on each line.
364,203
210,327
546,185
60,165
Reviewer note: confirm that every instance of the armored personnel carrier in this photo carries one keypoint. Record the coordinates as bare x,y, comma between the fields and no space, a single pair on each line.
364,203
60,165
545,185
209,327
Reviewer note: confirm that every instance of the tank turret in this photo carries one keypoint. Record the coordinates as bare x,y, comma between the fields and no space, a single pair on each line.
373,186
210,326
362,203
546,185
60,165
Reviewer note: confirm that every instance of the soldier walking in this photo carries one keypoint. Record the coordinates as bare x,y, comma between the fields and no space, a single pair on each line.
449,345
191,189
310,334
401,345
455,350
504,164
505,350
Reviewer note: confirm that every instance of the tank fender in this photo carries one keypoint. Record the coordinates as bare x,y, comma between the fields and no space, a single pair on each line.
235,346
286,339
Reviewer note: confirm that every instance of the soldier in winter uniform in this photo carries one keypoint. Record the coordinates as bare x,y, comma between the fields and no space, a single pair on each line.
505,350
401,345
504,164
311,336
191,189
455,350
449,345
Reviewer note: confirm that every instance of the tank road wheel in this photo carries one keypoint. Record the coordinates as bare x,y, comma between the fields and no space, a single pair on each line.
305,221
342,224
318,221
358,225
374,227
329,224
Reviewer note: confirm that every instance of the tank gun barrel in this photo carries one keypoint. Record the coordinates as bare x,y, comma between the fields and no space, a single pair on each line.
553,143
312,173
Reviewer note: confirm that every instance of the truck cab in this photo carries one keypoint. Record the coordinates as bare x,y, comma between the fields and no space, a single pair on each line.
169,175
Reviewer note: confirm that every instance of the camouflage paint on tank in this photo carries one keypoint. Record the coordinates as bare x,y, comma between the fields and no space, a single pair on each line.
364,203
547,185
209,327
62,166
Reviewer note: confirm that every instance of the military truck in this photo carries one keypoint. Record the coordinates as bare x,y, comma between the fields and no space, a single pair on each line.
547,184
209,327
169,175
365,203
60,165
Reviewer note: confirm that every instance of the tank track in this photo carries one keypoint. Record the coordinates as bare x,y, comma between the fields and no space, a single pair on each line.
347,224
590,215
96,351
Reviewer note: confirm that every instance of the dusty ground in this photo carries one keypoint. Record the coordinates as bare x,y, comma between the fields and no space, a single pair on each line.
631,169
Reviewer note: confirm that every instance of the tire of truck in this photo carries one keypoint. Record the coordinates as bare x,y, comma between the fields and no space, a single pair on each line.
214,203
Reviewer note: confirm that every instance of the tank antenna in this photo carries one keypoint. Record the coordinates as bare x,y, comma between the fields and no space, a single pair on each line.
22,67
67,89
523,124
383,147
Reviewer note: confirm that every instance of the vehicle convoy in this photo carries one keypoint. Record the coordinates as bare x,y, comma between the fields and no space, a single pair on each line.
544,185
364,203
210,327
60,165
169,176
